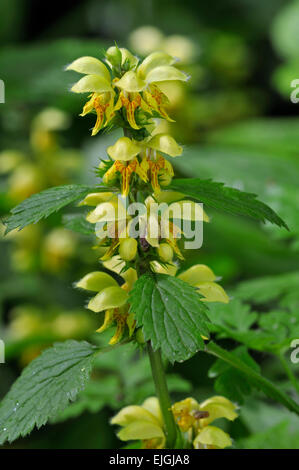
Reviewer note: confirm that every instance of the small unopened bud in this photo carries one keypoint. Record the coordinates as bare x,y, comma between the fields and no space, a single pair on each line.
165,252
128,249
139,336
114,56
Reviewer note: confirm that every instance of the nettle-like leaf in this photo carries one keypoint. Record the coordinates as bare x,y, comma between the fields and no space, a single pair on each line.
45,388
231,382
78,223
221,197
252,375
41,205
171,314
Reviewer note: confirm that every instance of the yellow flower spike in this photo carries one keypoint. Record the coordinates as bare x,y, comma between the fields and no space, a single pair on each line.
108,320
212,437
92,83
90,66
196,274
94,199
96,281
111,297
213,292
218,407
165,143
124,149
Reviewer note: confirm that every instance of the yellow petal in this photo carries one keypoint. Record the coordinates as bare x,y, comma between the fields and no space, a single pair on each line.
166,144
140,430
152,405
96,281
197,273
212,436
90,66
111,297
156,59
108,320
165,72
170,269
133,413
124,149
186,210
130,82
110,211
212,292
218,407
130,276
115,264
93,199
91,83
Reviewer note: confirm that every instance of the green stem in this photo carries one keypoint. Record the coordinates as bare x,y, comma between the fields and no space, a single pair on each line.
289,372
163,395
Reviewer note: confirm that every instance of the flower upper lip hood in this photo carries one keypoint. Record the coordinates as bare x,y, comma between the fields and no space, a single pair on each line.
157,67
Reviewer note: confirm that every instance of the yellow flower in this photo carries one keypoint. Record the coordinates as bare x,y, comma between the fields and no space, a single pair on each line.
201,277
152,164
142,423
112,299
96,81
156,68
145,422
195,418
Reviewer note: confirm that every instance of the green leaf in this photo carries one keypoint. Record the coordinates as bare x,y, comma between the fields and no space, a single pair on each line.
78,223
171,314
41,205
221,197
269,288
255,378
45,388
231,382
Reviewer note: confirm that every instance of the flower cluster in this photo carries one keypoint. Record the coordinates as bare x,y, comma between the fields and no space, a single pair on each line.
193,419
125,93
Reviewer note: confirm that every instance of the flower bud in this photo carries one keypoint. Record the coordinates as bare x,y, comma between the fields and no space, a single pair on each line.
139,336
128,249
114,56
165,252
